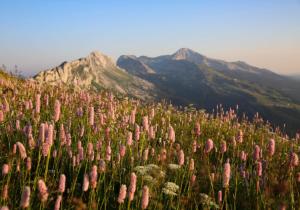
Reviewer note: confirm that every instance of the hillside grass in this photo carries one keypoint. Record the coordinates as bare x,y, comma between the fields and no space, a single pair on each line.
179,155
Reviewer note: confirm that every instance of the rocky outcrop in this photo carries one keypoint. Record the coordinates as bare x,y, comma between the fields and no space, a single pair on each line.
97,71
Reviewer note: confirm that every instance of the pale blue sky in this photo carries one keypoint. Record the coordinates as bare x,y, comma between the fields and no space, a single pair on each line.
40,34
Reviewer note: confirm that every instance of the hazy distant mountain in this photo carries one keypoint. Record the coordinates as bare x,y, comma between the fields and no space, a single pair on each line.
187,77
243,71
295,76
97,71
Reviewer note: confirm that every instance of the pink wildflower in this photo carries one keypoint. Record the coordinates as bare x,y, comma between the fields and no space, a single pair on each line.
256,153
86,183
91,115
22,150
108,153
25,198
243,155
62,135
129,138
271,147
171,134
58,202
93,177
294,159
209,145
137,132
28,163
220,196
5,169
45,149
151,133
5,192
226,174
62,183
43,191
194,146
122,194
181,157
145,197
42,134
146,123
56,110
1,116
50,133
259,169
90,151
193,179
38,103
132,186
122,150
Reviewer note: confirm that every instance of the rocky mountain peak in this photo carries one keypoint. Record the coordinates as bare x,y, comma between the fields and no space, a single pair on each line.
184,50
96,71
100,59
128,57
185,53
189,55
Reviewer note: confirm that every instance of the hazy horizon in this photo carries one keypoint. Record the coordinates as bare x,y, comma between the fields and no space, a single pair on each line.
39,35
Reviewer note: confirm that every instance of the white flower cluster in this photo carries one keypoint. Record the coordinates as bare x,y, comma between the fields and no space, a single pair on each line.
170,188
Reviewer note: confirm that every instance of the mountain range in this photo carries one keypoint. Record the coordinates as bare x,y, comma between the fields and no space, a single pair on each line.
187,77
95,72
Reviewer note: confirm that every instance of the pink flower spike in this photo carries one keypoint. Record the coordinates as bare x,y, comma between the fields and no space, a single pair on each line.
5,169
85,185
94,177
122,194
181,157
58,202
271,147
43,191
25,199
62,183
226,174
132,186
56,110
145,197
220,196
209,145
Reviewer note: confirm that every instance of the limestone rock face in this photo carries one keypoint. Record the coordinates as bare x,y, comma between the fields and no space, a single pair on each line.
97,71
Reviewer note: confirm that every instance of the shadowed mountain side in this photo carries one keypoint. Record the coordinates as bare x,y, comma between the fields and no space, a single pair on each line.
187,77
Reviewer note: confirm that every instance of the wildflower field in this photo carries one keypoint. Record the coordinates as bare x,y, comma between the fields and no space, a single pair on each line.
66,149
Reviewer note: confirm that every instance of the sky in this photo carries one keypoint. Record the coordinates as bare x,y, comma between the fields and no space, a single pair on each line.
36,35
